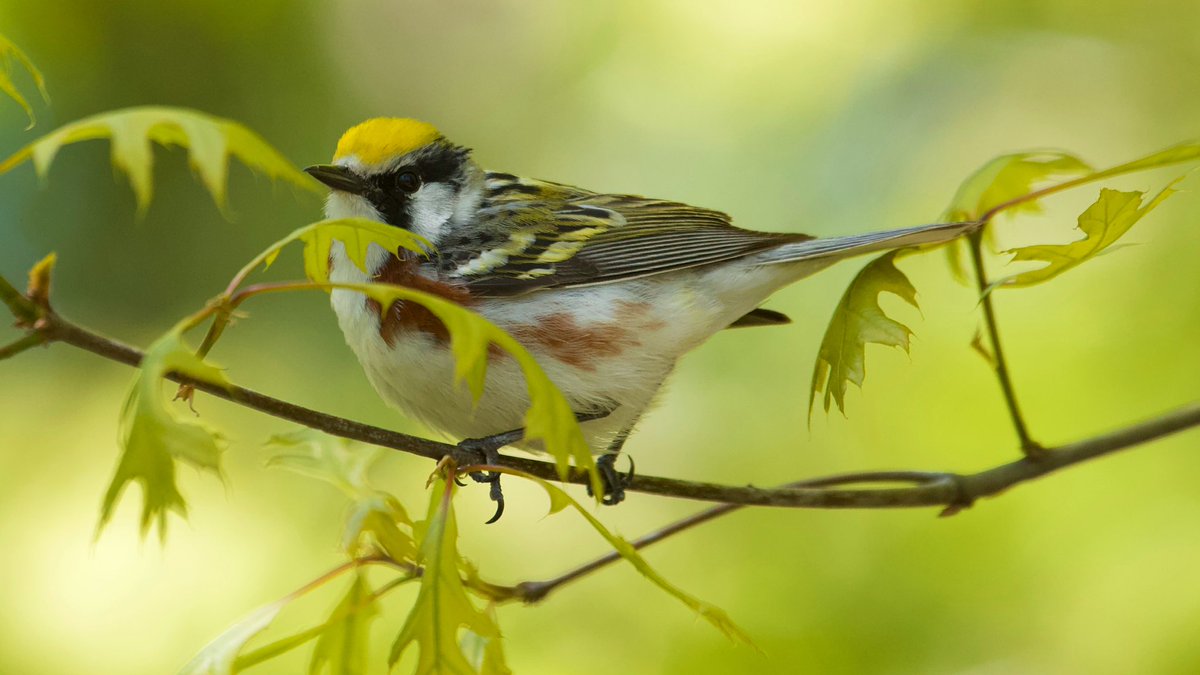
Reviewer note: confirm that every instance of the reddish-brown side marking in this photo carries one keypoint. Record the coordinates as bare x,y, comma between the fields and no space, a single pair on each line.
410,316
636,314
581,346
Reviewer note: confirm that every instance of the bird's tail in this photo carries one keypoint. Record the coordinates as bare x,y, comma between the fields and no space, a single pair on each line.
858,244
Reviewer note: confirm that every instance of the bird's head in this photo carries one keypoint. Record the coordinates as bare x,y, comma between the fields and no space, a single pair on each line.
401,172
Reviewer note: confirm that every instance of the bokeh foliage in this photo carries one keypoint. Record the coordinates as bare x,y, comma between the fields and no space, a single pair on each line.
811,118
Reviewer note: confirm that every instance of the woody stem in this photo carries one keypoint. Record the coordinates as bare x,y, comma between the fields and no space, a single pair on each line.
1030,447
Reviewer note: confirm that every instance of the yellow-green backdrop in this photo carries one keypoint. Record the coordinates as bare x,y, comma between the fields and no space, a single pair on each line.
821,117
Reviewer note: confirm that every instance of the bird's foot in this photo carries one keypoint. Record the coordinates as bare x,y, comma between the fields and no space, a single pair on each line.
487,449
614,481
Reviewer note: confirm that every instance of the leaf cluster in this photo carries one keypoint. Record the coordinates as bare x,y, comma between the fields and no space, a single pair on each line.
452,623
1013,184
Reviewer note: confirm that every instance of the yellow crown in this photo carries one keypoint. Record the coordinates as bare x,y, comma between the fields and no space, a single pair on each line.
384,138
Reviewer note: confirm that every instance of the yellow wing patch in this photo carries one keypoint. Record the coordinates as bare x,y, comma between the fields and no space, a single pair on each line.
384,138
560,251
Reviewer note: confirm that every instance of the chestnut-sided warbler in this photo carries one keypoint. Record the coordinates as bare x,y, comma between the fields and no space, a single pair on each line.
607,291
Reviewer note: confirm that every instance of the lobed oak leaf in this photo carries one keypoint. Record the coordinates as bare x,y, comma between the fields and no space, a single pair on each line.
485,654
344,642
1103,223
210,142
155,437
857,320
442,607
357,235
375,519
1008,177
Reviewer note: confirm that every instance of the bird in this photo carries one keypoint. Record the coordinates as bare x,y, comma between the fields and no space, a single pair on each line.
606,291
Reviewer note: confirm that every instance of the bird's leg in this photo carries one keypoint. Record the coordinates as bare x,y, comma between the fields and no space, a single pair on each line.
614,482
487,449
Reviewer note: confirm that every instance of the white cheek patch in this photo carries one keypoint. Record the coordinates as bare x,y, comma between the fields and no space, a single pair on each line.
431,208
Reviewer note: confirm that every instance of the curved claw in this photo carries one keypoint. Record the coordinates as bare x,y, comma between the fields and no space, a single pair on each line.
488,451
497,496
499,511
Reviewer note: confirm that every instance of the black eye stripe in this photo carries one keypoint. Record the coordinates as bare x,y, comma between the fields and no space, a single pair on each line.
439,162
391,205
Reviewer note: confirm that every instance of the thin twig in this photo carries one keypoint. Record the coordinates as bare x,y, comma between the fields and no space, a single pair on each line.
940,489
1030,447
28,341
22,308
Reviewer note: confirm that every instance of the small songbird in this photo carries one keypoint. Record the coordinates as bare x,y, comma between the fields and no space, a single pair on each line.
607,291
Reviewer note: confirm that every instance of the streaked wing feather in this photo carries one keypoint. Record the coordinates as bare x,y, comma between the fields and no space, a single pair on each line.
559,236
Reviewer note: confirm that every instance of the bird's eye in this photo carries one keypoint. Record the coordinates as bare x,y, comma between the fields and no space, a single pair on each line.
408,181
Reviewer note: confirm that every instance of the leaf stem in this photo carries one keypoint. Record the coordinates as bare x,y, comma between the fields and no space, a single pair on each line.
284,645
224,305
1030,447
1120,169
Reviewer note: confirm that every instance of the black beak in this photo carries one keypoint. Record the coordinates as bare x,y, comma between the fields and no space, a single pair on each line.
338,178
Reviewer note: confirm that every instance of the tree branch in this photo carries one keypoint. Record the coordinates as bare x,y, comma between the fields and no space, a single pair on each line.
949,490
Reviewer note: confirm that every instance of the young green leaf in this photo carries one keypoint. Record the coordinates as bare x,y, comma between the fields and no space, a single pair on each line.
442,605
1103,223
560,500
9,53
376,519
154,437
858,320
485,654
379,523
343,644
338,461
210,142
1008,177
218,657
357,234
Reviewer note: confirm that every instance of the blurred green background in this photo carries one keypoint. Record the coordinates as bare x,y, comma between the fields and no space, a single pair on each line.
827,118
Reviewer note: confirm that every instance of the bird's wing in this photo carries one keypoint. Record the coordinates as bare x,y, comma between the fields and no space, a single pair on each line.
538,235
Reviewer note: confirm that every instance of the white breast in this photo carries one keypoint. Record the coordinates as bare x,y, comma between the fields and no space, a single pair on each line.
604,345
